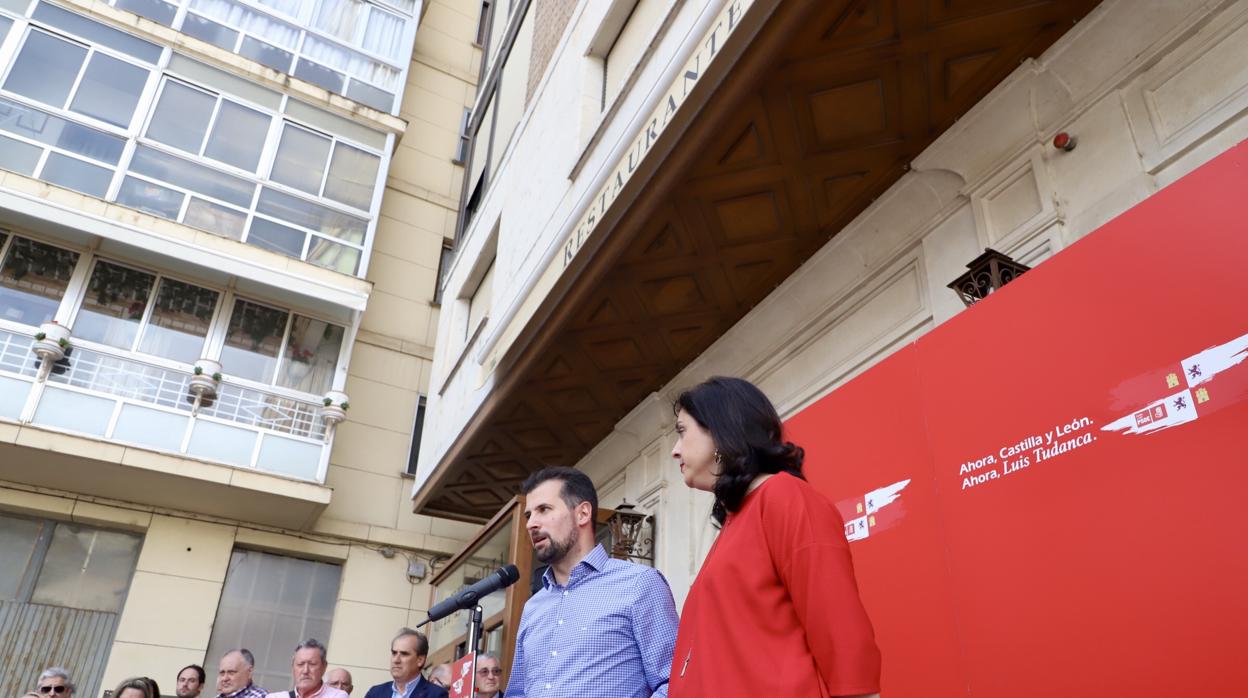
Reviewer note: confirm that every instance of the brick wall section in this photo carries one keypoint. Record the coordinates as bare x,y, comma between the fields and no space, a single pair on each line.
552,18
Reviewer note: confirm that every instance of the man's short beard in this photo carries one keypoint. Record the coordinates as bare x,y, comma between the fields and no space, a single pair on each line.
556,550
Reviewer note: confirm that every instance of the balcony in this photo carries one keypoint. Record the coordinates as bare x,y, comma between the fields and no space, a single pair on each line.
133,429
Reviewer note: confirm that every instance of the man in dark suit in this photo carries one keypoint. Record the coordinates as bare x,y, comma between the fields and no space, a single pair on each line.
408,652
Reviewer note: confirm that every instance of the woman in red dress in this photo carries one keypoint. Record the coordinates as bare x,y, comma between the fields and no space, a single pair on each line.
774,610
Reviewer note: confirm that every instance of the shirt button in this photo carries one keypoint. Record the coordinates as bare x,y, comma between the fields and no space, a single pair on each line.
560,621
565,593
547,685
553,653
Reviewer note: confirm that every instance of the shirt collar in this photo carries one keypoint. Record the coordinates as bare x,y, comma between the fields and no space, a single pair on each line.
593,562
407,688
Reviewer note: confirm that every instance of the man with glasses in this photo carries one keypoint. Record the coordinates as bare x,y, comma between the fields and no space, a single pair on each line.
489,676
54,682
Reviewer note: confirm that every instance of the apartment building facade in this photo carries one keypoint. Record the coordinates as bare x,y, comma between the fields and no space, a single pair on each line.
221,224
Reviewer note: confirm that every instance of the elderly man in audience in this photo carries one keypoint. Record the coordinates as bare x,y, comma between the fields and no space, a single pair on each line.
54,682
307,669
440,675
340,679
489,676
234,675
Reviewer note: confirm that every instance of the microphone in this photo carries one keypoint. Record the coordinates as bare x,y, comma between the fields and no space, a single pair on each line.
468,598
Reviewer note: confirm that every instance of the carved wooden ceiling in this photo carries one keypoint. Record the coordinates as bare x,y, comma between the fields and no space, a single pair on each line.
821,114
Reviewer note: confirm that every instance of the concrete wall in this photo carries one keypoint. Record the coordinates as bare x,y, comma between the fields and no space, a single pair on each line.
1151,89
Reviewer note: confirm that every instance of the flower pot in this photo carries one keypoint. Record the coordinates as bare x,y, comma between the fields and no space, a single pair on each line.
48,347
206,378
334,409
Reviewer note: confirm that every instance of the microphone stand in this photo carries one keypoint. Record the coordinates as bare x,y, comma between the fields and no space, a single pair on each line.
474,641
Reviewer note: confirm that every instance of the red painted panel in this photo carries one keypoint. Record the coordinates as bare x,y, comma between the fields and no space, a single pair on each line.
1106,558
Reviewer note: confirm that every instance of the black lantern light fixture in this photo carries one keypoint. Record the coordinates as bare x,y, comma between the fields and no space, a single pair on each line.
987,273
632,534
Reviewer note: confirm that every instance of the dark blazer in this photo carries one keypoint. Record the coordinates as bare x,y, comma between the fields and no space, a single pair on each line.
423,689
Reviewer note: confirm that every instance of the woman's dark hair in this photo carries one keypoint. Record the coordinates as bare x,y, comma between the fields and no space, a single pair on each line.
747,435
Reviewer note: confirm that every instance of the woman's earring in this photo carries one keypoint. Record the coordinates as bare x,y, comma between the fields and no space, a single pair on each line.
719,459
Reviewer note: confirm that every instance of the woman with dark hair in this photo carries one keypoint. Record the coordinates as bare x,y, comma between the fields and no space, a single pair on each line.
774,610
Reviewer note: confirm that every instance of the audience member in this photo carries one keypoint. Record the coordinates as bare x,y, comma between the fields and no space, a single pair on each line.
234,676
340,679
440,675
153,689
307,669
133,688
55,681
190,681
408,652
489,676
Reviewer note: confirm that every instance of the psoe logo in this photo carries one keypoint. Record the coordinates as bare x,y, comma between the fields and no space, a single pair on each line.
874,512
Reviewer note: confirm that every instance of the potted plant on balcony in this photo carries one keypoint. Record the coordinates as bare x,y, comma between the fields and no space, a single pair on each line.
334,407
51,342
205,378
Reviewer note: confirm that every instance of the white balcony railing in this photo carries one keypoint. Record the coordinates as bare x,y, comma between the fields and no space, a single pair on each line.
124,399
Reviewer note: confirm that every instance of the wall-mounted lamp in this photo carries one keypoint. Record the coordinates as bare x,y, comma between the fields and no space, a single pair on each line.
632,534
987,273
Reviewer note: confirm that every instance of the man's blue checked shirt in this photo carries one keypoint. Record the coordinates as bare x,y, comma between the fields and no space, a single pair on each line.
610,632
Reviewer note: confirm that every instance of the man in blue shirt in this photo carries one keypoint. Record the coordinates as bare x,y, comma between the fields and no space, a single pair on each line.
598,626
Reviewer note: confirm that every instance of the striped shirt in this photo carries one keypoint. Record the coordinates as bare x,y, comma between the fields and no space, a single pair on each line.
609,632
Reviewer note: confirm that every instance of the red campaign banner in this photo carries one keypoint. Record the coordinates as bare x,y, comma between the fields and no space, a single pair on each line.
463,677
1044,495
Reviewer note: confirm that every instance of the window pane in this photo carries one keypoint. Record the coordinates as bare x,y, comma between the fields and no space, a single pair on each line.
46,68
97,33
53,130
309,215
253,340
181,117
300,160
311,355
339,18
150,198
18,538
156,10
331,255
114,304
384,34
352,176
110,90
76,174
266,54
320,75
238,136
179,321
268,603
33,280
197,178
17,156
374,97
268,235
215,218
208,30
259,24
87,568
